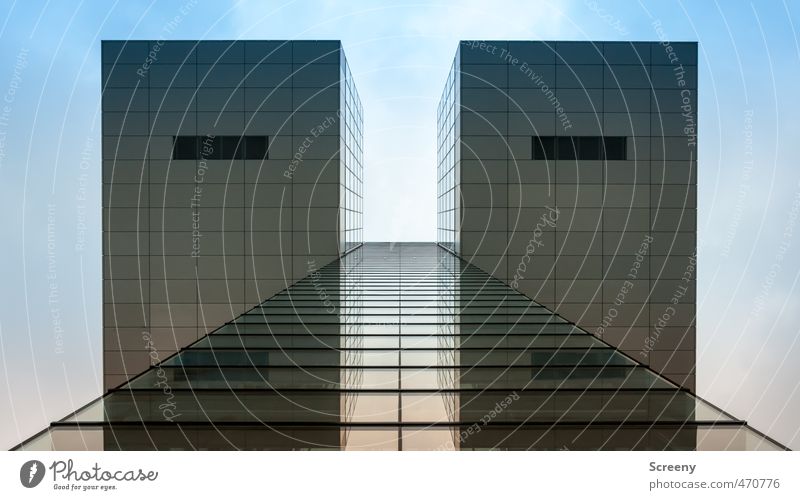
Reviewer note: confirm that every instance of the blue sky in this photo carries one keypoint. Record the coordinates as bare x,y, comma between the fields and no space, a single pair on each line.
400,53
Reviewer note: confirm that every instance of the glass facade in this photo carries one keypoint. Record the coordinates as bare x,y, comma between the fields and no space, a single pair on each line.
351,165
568,170
233,176
447,161
231,169
400,347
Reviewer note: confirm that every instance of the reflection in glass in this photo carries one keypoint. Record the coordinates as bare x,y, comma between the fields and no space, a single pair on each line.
399,347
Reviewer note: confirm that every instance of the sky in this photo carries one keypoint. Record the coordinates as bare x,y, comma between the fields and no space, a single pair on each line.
400,54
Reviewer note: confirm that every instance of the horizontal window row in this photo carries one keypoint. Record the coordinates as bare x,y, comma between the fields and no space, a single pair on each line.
221,75
223,51
220,147
303,407
578,76
579,148
161,147
576,52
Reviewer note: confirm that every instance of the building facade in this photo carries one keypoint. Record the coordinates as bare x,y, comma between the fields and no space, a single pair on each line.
568,170
231,169
384,346
399,347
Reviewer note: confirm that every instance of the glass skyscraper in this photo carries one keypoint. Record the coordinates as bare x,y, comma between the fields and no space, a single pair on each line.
333,343
400,347
229,169
569,171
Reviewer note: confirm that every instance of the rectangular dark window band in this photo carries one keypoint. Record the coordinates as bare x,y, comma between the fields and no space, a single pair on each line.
579,148
220,147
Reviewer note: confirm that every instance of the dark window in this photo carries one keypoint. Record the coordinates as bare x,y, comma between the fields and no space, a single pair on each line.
544,148
579,148
255,147
220,147
566,148
233,147
616,148
588,148
184,147
210,147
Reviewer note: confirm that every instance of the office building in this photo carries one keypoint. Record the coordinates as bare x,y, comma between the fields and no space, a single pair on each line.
230,169
421,346
568,170
400,347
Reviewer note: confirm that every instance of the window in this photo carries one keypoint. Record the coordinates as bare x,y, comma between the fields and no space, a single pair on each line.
616,148
232,147
184,148
567,148
220,147
211,147
589,148
256,147
544,148
579,148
